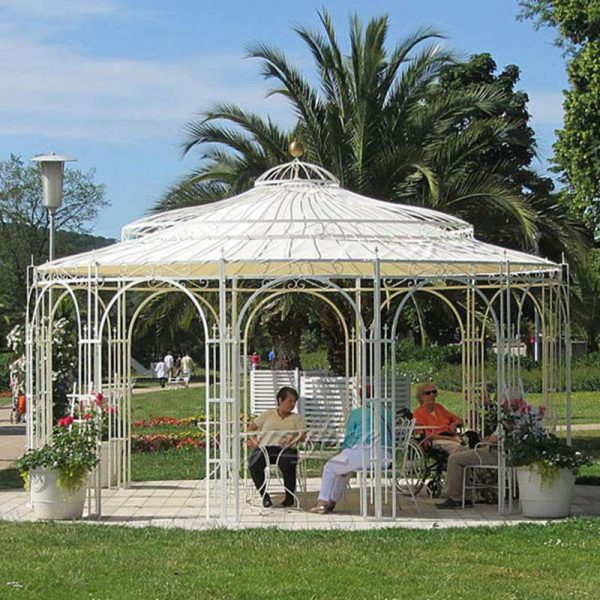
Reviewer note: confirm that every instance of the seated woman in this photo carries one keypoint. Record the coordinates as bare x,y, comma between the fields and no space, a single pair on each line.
442,422
338,469
281,429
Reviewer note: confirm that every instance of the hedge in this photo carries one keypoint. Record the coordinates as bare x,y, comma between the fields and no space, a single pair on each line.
585,376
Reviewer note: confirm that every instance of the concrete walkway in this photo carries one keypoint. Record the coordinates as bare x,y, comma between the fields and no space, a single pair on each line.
12,439
182,504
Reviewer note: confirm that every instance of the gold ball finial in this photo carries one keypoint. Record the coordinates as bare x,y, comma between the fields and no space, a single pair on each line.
296,149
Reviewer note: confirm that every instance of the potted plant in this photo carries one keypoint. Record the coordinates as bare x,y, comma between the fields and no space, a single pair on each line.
546,465
56,474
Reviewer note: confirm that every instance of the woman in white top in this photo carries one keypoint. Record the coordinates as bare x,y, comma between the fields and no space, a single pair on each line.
162,372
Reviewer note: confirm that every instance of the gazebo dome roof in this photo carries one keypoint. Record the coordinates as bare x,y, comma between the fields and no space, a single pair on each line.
297,220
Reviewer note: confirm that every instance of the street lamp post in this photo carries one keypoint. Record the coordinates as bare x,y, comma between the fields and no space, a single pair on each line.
53,168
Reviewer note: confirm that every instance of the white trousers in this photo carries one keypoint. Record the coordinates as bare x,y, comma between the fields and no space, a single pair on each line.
338,469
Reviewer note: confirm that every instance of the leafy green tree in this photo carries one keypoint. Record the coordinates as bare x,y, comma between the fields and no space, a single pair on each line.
557,232
24,222
577,149
585,299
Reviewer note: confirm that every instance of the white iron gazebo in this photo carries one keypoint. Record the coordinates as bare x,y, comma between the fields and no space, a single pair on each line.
295,232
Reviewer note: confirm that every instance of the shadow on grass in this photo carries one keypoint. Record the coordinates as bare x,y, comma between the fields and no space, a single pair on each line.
10,479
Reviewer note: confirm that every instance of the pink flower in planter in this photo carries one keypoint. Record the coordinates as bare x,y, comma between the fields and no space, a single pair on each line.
88,416
65,421
99,399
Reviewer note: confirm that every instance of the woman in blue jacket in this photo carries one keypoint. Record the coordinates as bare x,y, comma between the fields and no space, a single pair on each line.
355,448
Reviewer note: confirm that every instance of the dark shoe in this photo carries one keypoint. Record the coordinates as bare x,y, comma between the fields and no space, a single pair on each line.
266,501
449,503
288,502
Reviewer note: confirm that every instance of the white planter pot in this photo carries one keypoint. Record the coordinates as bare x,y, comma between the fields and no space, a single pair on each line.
51,501
545,499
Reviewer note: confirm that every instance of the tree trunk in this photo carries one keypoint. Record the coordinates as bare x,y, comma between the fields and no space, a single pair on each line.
336,354
286,334
592,341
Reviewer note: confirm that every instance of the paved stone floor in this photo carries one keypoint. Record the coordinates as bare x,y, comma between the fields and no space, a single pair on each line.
12,439
183,504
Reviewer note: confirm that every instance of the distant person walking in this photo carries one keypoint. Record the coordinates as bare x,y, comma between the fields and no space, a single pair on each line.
255,361
187,368
271,357
170,363
162,372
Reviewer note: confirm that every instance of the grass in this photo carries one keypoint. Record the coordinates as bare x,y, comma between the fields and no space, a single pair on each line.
170,402
555,561
589,443
186,463
10,479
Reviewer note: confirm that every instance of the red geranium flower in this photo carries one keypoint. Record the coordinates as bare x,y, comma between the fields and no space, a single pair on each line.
66,421
88,416
99,399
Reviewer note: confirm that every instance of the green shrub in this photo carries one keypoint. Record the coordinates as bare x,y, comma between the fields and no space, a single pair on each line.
5,359
585,378
315,361
407,351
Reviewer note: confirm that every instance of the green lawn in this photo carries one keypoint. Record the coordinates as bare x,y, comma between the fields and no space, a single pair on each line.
56,561
170,402
10,479
186,463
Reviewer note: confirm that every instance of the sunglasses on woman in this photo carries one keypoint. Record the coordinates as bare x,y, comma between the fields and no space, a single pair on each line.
429,392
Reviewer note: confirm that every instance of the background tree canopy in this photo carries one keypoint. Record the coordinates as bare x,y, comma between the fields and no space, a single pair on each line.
577,149
24,227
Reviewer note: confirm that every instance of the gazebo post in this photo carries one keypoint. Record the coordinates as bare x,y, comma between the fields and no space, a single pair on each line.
223,434
235,383
376,384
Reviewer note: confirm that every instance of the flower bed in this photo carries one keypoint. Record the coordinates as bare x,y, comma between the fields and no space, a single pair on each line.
159,421
164,437
193,420
157,442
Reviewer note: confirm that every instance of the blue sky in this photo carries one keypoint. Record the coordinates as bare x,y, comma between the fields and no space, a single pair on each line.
113,82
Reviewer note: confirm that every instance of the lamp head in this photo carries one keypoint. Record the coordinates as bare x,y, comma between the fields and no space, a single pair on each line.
53,168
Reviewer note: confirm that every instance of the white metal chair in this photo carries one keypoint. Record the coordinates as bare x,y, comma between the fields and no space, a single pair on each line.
404,433
273,473
504,480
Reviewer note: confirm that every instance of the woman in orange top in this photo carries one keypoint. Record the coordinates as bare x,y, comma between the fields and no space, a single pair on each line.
443,423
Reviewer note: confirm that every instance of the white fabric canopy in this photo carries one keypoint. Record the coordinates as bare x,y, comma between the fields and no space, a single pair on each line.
297,221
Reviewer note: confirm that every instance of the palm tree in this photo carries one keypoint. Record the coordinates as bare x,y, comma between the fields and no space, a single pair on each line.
378,120
373,119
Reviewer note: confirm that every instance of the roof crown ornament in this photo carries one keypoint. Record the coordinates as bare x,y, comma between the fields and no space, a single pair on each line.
296,149
297,171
